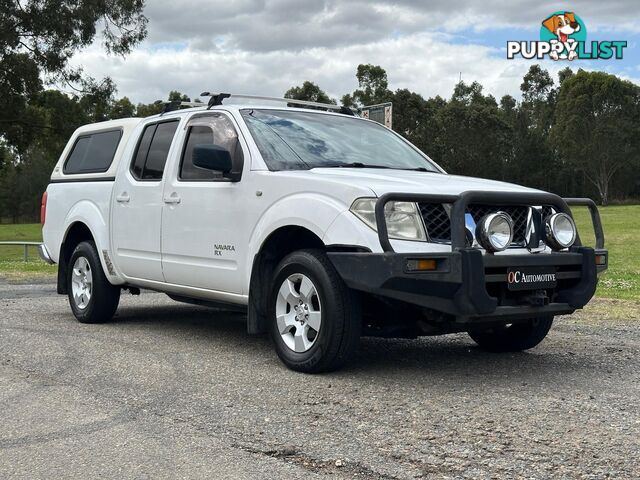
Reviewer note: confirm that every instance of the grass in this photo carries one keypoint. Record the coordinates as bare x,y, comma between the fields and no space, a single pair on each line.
621,225
12,266
621,230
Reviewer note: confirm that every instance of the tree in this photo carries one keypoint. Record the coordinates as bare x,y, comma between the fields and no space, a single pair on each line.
564,74
476,139
175,96
536,85
148,109
37,40
309,91
373,87
45,35
533,157
597,126
122,108
417,120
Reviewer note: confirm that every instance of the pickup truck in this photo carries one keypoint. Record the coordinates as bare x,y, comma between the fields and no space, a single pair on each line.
321,225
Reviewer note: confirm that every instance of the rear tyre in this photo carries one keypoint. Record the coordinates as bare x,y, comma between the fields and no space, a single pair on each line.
315,318
92,298
514,337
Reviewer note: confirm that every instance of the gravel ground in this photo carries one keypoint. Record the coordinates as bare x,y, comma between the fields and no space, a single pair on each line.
176,391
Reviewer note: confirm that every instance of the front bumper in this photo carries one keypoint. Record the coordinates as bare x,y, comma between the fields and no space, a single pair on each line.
468,283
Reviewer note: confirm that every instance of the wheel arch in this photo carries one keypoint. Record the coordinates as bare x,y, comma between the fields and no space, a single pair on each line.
279,243
80,228
75,233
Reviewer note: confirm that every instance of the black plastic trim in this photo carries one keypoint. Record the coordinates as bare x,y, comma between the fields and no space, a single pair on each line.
76,180
459,288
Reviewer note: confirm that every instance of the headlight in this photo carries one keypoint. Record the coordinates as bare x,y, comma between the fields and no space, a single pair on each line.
560,231
494,232
404,221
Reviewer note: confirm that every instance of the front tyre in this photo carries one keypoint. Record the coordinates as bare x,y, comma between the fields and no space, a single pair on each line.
514,337
314,317
92,298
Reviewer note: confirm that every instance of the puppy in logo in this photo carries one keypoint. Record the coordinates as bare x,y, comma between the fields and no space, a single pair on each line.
562,26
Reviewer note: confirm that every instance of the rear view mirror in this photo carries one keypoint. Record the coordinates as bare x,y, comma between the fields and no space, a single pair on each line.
213,157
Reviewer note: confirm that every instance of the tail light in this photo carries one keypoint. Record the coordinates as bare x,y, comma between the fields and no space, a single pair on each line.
43,208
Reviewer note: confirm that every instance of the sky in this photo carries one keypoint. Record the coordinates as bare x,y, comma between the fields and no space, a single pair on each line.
263,47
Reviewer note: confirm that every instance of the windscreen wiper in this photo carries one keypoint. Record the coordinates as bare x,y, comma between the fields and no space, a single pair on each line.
353,165
419,169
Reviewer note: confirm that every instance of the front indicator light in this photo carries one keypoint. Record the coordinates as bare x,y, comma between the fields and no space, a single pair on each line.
601,260
422,265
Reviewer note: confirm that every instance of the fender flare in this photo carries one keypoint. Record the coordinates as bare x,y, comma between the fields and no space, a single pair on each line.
89,214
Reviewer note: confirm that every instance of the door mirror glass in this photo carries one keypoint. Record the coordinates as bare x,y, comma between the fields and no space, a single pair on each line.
212,157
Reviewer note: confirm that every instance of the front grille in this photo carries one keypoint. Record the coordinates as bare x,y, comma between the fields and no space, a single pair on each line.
436,221
547,210
438,224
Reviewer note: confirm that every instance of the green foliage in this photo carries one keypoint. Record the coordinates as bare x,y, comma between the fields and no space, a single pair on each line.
37,40
373,87
122,108
309,91
565,138
597,129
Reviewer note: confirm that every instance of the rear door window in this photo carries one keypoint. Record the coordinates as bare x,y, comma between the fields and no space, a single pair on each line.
142,151
153,150
93,153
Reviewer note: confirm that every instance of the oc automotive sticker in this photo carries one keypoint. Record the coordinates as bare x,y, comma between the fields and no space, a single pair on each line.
530,278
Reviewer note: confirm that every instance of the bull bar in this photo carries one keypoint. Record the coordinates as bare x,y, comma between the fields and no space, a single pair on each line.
466,280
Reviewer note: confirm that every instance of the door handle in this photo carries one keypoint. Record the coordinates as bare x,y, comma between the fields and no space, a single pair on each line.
174,198
123,198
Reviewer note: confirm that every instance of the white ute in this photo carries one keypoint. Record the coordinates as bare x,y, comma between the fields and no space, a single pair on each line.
324,226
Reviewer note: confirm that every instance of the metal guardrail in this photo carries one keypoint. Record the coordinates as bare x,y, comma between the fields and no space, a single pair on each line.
26,246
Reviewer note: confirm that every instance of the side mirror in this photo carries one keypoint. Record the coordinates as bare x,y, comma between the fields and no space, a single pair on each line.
213,157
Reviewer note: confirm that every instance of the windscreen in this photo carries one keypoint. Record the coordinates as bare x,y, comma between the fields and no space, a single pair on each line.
294,140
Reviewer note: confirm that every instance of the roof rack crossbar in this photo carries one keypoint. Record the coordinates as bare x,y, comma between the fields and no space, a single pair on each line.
217,98
170,106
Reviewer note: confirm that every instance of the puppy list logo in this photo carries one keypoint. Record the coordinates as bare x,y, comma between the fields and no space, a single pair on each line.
563,36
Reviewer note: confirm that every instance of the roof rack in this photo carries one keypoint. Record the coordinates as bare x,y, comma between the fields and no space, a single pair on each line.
217,98
170,106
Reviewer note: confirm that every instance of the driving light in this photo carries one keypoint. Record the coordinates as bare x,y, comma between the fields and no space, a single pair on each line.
560,231
494,232
403,219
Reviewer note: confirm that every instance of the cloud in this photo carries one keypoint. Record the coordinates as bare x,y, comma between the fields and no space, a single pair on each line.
267,46
261,25
421,62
